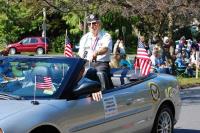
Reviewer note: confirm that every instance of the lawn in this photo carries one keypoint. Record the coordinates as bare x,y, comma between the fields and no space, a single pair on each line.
188,82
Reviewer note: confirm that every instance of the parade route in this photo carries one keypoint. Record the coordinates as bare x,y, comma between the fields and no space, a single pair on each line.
189,121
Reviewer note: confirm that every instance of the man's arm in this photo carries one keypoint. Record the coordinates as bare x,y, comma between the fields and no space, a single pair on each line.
101,51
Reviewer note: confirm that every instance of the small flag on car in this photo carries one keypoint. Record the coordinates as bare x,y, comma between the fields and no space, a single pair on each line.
43,82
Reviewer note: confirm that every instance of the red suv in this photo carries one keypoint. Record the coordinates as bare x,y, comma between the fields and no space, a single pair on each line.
29,44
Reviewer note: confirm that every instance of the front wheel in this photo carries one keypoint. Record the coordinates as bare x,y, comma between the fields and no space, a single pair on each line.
164,121
40,51
12,51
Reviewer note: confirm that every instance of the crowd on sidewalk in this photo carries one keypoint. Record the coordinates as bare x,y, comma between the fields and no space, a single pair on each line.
162,54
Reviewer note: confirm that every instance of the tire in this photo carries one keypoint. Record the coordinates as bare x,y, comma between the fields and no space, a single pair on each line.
164,121
12,51
40,51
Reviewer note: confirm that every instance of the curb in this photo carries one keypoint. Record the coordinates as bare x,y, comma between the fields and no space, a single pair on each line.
190,89
190,93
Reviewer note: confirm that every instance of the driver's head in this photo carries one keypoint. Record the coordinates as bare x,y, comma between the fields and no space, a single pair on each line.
93,23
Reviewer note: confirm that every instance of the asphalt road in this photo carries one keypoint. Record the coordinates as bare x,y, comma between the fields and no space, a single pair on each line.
189,121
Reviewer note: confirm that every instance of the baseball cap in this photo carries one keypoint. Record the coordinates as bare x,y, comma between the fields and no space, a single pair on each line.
92,18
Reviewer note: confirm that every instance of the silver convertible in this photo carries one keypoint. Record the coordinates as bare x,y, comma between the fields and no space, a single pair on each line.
52,95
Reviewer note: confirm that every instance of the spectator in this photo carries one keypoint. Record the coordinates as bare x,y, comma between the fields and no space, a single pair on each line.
182,44
124,63
118,51
188,48
180,61
189,71
195,46
156,59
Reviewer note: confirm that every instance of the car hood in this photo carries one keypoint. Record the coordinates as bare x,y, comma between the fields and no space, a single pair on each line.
11,107
14,44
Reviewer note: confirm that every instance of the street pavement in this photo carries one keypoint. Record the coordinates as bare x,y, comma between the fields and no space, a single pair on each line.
189,121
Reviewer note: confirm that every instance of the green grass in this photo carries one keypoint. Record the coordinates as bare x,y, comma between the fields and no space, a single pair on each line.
189,82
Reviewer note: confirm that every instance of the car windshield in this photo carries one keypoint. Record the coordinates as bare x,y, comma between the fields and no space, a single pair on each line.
27,77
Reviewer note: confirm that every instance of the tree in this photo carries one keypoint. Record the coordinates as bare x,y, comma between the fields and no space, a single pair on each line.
15,21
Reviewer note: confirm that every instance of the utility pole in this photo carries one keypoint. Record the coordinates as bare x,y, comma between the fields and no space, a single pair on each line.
124,32
85,2
85,23
44,27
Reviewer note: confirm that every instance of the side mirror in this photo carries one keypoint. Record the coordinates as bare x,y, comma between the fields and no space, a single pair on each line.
86,86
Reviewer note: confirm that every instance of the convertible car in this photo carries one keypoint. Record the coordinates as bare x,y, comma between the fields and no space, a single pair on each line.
40,94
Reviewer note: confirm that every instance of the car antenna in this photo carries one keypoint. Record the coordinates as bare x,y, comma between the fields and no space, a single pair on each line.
34,102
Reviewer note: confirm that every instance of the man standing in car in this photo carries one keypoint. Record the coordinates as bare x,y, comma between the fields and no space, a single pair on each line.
96,47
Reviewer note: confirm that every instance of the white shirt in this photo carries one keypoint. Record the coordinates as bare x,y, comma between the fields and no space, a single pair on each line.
89,44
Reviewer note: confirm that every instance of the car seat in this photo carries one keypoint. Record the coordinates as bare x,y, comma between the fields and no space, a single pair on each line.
120,77
101,77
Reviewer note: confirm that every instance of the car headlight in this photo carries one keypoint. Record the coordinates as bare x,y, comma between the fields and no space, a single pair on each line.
1,131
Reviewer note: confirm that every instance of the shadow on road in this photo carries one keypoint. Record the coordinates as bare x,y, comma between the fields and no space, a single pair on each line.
186,131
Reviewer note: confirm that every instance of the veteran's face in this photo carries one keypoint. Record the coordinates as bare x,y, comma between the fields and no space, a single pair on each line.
94,27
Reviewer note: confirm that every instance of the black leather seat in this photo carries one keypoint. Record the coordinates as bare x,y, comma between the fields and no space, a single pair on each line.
104,80
102,77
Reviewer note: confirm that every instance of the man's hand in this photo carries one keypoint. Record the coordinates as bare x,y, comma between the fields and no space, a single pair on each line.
94,56
97,96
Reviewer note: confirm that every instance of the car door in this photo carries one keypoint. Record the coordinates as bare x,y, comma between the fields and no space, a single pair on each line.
81,116
133,106
23,44
28,45
31,47
121,110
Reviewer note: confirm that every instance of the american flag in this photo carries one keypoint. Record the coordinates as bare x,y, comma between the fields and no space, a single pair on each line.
68,48
43,82
142,60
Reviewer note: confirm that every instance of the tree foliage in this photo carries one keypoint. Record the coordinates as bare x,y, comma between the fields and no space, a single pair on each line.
20,18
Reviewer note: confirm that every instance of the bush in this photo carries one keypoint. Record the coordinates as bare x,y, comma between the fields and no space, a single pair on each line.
58,44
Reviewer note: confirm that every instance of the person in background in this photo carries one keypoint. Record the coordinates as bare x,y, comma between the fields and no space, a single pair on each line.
96,47
189,70
118,51
158,64
180,61
188,48
124,63
182,44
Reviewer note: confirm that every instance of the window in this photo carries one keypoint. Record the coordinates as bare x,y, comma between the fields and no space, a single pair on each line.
33,40
25,41
47,40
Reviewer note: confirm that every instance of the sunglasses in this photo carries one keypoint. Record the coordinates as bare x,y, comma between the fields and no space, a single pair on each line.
92,23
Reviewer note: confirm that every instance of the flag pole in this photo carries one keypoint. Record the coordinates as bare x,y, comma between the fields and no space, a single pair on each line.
136,54
34,91
65,40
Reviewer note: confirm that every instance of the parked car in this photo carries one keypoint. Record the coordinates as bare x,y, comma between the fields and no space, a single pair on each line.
29,44
49,94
